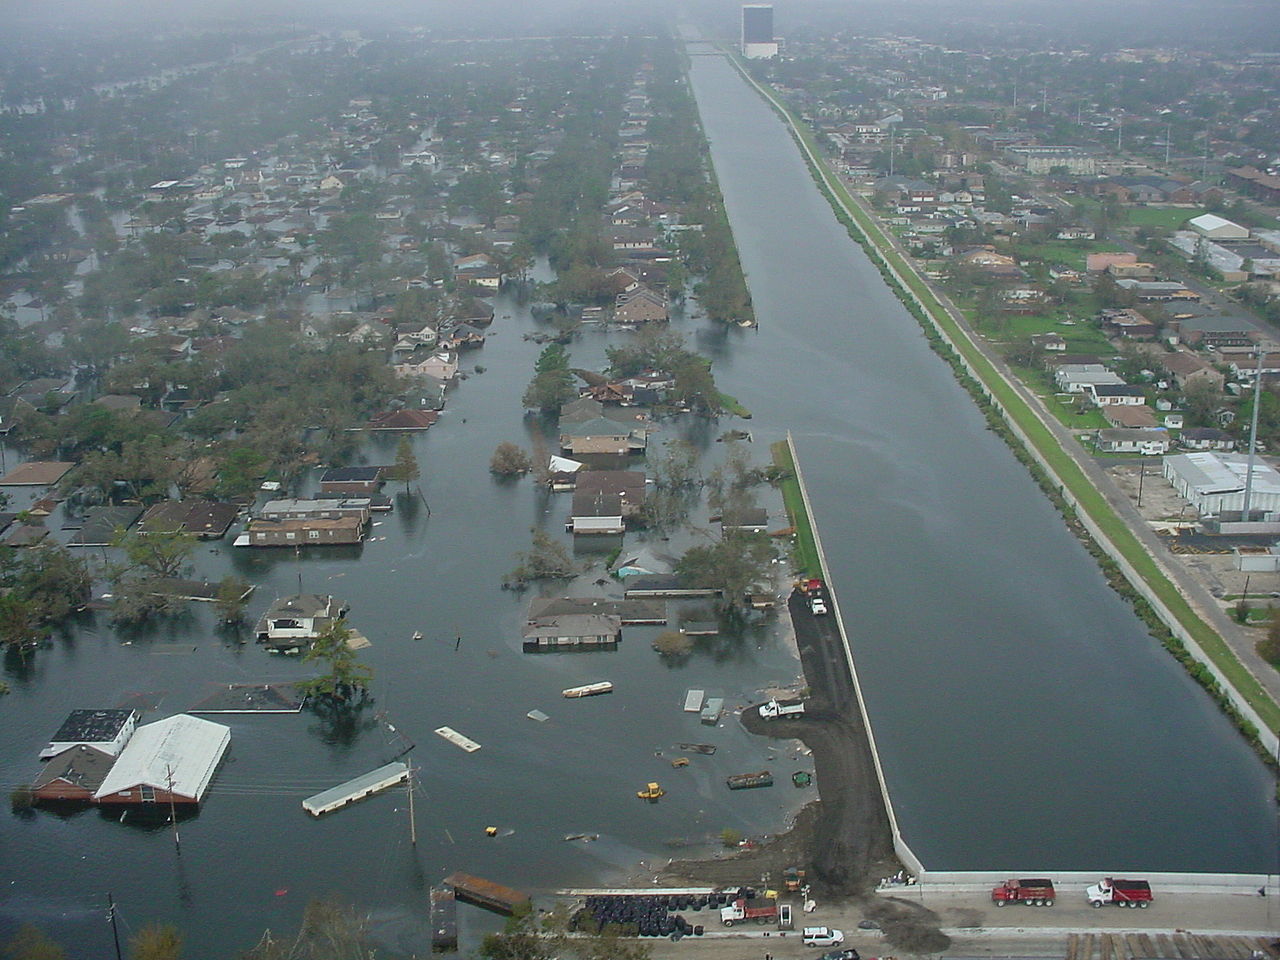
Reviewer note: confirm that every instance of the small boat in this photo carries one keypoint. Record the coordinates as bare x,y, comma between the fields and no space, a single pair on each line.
706,749
745,781
652,792
802,778
680,762
588,689
417,635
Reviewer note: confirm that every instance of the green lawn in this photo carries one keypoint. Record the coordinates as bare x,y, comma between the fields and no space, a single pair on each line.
806,551
1071,253
1171,218
1088,498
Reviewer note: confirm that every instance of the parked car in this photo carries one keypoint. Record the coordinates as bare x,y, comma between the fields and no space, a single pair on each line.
848,953
822,937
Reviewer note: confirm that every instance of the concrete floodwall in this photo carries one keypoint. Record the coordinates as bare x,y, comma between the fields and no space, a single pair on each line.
1070,883
904,852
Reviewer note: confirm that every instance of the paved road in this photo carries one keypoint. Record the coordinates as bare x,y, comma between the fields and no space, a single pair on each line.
979,929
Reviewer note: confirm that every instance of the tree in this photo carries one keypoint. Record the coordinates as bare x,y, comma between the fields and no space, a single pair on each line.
156,941
673,645
509,460
345,680
550,391
544,560
329,931
405,469
232,599
30,943
149,558
735,563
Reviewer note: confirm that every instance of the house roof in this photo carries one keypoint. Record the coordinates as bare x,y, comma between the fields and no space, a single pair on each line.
352,475
403,420
574,625
179,754
204,517
595,427
92,726
303,605
36,473
101,523
81,766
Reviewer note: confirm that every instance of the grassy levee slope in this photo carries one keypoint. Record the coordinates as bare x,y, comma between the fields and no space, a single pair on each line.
805,557
1088,498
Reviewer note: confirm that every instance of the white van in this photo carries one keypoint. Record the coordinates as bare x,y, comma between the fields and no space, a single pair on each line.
822,937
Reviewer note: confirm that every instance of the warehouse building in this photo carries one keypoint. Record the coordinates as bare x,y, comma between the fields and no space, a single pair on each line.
1214,483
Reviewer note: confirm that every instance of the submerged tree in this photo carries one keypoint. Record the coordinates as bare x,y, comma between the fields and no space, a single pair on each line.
405,470
232,598
156,941
544,560
733,564
345,679
509,460
329,931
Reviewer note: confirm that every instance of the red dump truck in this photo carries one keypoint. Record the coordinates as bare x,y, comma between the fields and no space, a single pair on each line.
759,909
1123,893
1034,893
815,591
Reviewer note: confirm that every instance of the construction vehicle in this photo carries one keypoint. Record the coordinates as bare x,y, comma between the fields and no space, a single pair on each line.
815,592
792,878
1035,893
1122,893
777,708
759,909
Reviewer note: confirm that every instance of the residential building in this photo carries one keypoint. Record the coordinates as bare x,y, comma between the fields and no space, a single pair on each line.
1148,443
107,730
306,532
352,481
296,621
169,761
73,776
572,630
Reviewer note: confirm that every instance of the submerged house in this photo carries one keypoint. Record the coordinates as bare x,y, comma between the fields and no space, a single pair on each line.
105,730
293,622
73,775
558,631
169,761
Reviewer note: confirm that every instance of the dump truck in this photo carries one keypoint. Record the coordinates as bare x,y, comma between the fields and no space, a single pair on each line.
778,708
759,909
1123,893
815,592
1034,893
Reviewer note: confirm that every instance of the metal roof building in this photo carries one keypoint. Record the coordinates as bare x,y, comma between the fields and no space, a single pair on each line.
1215,482
172,759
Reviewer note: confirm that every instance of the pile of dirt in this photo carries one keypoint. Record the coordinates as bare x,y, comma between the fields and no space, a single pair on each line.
908,927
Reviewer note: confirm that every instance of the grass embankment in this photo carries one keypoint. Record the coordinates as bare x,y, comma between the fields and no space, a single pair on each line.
806,549
731,405
1088,498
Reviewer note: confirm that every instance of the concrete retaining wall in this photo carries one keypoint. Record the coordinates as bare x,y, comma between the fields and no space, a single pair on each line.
1068,883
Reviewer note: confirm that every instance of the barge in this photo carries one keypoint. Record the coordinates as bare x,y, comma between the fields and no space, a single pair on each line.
487,894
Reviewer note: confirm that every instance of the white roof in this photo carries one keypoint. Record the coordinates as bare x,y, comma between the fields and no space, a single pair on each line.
564,465
182,750
1217,473
1211,221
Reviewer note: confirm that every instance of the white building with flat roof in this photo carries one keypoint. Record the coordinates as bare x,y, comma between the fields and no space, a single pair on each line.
1214,482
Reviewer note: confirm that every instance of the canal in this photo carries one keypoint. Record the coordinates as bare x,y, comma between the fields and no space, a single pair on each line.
1024,717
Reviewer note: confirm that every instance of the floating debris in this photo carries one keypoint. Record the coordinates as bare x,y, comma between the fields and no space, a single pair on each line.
537,715
457,739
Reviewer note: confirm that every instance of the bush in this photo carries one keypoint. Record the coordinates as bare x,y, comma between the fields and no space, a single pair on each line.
673,644
730,837
509,460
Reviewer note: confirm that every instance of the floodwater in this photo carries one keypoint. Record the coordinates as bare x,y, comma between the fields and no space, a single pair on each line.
253,858
1024,718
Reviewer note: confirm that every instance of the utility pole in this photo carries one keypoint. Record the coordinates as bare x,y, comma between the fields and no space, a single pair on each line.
1168,142
413,823
115,929
1253,437
1142,475
173,810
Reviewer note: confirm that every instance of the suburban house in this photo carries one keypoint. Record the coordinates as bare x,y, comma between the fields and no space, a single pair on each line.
1205,438
641,305
1186,368
169,761
600,436
1127,322
603,500
442,366
572,630
205,519
1149,443
1079,377
305,532
295,621
105,730
318,509
750,519
73,775
1115,394
1049,341
403,420
647,612
352,481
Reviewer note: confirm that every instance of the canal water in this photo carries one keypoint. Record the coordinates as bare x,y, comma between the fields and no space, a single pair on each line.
1024,717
